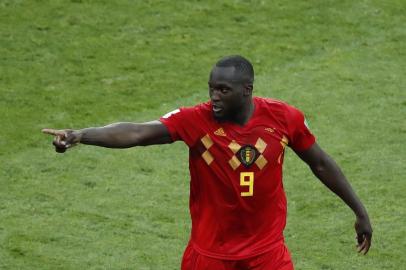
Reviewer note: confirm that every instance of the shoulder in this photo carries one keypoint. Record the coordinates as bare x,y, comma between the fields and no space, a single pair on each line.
284,113
199,110
276,106
186,123
269,102
202,107
190,112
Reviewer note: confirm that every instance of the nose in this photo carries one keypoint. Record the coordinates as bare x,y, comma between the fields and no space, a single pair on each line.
214,95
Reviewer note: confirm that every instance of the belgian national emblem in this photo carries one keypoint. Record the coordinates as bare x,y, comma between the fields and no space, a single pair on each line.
247,155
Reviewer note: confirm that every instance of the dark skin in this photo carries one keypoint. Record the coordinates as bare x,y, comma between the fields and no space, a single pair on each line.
232,102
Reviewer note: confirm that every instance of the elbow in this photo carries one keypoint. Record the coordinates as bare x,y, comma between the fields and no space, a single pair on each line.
137,136
133,139
324,166
320,167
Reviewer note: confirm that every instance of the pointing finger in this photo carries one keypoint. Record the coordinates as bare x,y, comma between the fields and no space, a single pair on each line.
54,132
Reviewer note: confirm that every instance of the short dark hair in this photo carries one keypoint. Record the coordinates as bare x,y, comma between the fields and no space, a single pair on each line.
242,66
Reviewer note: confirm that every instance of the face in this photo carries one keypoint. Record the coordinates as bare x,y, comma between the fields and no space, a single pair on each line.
227,93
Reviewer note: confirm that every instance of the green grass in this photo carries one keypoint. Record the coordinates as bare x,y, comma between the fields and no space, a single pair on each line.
88,63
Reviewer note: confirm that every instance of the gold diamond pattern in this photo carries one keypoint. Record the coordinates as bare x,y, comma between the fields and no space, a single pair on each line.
234,146
234,163
207,142
260,145
261,162
207,157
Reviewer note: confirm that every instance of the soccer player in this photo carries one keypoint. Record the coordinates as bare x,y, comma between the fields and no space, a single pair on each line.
237,144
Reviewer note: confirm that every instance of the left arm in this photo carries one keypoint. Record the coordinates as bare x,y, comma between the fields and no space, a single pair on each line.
330,174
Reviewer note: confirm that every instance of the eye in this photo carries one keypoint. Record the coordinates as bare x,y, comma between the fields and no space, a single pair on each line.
224,90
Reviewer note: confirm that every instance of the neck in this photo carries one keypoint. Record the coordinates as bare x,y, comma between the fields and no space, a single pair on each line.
245,113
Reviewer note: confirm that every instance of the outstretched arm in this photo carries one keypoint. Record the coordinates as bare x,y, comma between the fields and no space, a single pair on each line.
117,135
330,174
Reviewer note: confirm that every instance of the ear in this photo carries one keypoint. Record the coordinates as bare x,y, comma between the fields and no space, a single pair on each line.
248,89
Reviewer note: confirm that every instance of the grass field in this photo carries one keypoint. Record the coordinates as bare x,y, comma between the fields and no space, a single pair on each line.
74,64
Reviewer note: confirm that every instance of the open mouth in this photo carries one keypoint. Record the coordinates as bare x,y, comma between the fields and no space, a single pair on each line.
217,109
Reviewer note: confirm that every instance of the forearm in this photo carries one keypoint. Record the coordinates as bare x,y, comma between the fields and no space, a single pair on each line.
117,135
331,175
125,134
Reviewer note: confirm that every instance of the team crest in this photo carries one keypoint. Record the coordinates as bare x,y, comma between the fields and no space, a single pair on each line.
247,155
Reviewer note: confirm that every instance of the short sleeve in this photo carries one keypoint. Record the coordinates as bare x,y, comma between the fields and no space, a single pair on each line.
300,137
180,125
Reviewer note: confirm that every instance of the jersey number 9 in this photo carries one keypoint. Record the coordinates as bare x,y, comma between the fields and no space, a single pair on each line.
247,179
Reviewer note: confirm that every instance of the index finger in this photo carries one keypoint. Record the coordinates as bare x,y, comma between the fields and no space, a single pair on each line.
54,132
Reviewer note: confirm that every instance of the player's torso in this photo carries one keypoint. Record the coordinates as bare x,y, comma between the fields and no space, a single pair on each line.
237,202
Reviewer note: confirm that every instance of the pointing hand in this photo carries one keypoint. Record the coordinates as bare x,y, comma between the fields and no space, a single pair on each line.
63,139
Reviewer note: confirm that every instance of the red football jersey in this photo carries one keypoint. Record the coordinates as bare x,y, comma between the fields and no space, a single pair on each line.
237,201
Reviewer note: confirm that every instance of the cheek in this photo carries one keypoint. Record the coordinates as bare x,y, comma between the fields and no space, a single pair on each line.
230,101
237,100
232,104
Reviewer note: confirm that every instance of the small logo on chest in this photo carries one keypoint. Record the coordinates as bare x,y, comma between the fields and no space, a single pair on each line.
247,155
220,132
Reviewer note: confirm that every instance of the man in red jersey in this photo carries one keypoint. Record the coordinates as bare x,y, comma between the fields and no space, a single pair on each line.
237,144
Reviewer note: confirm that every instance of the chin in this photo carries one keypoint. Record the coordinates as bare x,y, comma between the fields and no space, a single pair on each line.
220,116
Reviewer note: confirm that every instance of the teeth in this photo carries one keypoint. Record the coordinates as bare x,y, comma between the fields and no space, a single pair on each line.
216,109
